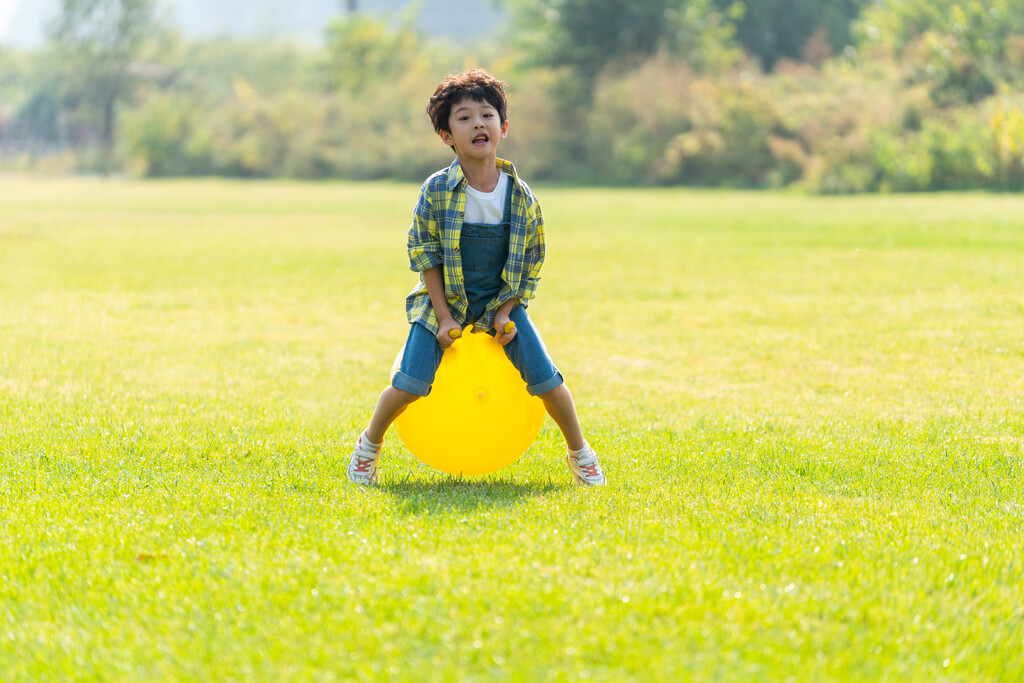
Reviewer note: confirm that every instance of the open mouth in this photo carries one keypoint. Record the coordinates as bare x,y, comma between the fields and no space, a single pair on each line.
481,139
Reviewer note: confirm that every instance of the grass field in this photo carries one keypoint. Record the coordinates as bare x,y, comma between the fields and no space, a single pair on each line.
809,409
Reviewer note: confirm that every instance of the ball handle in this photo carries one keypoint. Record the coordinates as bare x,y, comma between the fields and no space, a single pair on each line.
456,333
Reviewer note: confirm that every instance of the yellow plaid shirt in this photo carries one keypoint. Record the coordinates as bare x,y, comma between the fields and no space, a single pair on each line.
434,240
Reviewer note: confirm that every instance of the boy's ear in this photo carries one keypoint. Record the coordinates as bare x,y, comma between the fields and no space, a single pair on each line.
446,138
504,129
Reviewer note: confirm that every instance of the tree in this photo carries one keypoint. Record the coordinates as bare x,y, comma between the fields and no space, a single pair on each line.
361,50
96,43
590,35
771,30
962,49
581,42
988,22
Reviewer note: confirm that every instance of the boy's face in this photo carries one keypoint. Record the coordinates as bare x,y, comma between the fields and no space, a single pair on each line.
474,129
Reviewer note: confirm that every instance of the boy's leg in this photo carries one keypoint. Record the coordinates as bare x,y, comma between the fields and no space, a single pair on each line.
420,358
390,405
528,353
362,466
581,458
559,404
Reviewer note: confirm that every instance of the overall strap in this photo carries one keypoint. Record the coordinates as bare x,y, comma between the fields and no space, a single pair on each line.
506,217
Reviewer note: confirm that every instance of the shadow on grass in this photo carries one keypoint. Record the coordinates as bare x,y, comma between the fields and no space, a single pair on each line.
451,493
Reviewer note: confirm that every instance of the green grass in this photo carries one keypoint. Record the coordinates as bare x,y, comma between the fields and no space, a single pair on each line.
810,411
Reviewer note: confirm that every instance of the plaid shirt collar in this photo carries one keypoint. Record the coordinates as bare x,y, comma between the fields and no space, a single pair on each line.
456,176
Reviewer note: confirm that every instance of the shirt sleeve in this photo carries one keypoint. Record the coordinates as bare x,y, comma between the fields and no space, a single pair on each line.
424,242
533,259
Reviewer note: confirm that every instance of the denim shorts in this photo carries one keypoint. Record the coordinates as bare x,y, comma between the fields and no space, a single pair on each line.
422,356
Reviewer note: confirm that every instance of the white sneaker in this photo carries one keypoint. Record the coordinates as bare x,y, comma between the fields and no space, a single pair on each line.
585,469
362,467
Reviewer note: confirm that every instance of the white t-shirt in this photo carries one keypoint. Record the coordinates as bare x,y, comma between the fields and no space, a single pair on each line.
486,208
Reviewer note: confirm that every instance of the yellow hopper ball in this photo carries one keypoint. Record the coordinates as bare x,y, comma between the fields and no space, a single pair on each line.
478,417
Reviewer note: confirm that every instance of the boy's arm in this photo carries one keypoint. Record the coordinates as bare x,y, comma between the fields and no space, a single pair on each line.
434,279
501,316
426,258
424,239
533,259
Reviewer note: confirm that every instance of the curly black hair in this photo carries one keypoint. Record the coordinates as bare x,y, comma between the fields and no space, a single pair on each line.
476,85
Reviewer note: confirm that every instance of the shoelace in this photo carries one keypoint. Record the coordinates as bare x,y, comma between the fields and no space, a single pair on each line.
592,469
363,464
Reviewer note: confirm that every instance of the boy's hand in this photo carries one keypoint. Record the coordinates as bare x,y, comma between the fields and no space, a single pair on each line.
447,332
504,330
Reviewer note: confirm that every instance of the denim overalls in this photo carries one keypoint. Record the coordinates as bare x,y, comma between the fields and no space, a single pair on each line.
484,250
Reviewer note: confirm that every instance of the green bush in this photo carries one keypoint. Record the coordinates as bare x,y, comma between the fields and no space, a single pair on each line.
664,124
167,136
292,134
1006,123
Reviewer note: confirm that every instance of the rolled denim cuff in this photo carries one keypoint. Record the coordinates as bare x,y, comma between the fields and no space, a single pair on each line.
405,382
546,386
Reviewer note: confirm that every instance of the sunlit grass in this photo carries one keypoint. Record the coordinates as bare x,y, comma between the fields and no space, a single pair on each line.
810,411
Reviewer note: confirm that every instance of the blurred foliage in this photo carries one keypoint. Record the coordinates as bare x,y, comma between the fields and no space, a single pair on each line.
213,66
832,97
664,124
361,51
285,113
963,49
96,42
591,35
809,30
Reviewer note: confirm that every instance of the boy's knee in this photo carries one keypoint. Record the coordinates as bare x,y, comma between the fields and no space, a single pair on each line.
549,388
407,384
555,393
401,394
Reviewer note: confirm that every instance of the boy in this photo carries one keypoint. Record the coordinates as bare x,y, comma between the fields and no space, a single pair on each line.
477,241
